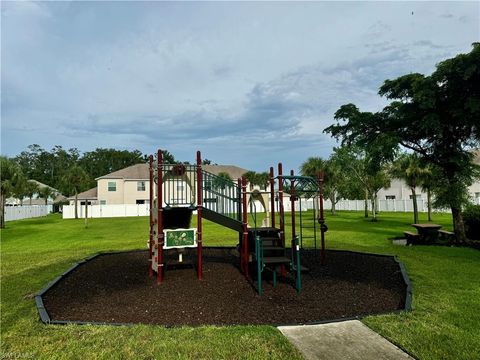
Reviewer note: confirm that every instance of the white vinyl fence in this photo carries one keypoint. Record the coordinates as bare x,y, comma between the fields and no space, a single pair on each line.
125,210
25,212
382,205
106,211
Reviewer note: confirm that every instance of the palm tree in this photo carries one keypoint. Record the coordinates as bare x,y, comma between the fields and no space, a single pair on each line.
263,180
251,177
332,173
46,192
19,191
221,180
408,168
11,174
427,182
75,180
31,188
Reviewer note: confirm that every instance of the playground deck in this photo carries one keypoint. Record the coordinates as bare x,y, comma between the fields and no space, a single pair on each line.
112,288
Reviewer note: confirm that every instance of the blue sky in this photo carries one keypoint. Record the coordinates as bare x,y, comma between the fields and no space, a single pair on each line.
249,84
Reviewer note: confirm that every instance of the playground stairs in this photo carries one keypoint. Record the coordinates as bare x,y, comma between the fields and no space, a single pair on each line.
274,252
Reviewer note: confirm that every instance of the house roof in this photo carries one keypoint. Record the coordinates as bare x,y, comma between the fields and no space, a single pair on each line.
235,172
137,171
90,194
141,172
42,185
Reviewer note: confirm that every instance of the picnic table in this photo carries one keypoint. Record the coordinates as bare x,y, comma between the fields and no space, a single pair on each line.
428,233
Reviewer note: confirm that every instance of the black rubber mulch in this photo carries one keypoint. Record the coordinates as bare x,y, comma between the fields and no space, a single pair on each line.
115,288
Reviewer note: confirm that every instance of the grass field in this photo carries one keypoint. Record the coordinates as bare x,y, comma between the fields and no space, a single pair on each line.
444,323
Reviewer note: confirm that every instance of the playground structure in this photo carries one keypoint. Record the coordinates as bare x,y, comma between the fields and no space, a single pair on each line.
177,190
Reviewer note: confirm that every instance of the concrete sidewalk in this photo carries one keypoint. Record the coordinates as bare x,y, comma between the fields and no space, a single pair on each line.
346,340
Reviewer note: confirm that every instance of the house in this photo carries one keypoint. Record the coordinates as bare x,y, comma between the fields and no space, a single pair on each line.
53,201
131,185
398,190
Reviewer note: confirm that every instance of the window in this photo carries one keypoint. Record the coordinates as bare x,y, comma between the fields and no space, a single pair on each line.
140,202
419,197
390,197
112,186
140,185
83,203
103,202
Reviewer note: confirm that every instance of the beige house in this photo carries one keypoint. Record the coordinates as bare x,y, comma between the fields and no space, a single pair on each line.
131,185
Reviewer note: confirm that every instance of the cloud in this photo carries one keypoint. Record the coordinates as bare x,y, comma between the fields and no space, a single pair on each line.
246,82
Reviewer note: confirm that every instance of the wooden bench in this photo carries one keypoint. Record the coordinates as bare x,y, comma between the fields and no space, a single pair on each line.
446,235
411,237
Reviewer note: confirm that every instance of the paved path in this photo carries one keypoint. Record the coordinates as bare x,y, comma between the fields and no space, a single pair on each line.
346,340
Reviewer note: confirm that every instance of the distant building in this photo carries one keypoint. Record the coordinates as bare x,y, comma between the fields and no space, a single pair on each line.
57,197
398,190
131,185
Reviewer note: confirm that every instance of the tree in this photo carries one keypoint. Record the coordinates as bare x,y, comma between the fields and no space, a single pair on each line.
427,183
262,180
104,161
31,188
208,162
251,177
436,116
19,190
408,168
222,180
75,180
45,193
332,174
10,175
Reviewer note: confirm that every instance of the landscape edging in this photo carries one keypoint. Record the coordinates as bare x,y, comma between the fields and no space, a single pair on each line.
45,317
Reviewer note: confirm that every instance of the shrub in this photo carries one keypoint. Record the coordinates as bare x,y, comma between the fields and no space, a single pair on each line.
471,218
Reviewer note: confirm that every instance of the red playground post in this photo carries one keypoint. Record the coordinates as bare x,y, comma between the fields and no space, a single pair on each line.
245,226
199,215
281,214
272,196
240,240
159,217
152,224
292,200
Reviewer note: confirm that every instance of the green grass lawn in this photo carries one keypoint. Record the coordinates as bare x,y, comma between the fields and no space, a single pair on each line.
444,323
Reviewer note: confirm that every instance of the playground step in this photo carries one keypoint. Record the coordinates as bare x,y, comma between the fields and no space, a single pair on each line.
276,260
269,238
273,248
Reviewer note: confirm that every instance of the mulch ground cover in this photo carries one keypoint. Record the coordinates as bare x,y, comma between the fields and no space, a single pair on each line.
115,288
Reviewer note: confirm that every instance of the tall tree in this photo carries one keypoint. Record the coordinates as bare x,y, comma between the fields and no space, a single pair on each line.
251,177
46,192
75,180
408,168
262,180
19,190
10,175
31,188
350,170
222,180
437,116
427,183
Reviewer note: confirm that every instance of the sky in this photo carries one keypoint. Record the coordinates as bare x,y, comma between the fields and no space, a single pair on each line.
250,84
